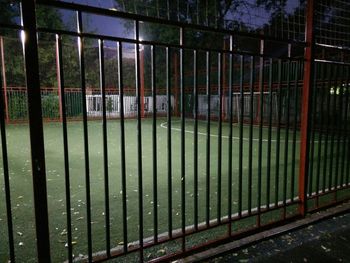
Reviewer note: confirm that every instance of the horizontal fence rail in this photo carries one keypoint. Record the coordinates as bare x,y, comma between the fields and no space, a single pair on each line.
156,148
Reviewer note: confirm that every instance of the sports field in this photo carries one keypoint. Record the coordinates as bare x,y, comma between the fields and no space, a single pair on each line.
21,181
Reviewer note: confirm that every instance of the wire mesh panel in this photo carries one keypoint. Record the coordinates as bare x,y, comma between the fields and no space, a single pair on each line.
279,19
332,23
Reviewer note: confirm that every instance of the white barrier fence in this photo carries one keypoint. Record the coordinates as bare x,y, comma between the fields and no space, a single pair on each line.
94,105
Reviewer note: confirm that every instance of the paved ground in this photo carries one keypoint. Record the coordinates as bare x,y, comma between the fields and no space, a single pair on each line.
326,241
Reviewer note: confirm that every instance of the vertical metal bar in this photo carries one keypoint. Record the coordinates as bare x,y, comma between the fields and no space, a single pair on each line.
207,192
219,137
320,135
345,150
58,83
286,139
154,144
142,81
4,81
305,107
223,93
230,112
6,174
312,131
240,161
278,136
251,113
333,113
183,149
139,135
294,130
340,125
269,137
328,105
348,143
65,145
176,84
30,49
261,120
86,136
169,148
195,138
122,143
105,146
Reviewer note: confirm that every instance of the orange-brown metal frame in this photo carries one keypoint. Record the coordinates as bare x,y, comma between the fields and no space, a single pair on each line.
305,108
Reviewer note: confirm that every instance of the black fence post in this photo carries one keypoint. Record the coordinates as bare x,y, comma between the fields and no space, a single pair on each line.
30,49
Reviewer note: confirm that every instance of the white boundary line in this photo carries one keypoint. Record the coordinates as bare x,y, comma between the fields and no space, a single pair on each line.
164,126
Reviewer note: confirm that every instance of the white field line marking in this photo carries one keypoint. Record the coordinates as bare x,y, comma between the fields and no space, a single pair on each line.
164,126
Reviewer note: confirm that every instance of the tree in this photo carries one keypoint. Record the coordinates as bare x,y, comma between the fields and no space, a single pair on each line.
7,11
46,17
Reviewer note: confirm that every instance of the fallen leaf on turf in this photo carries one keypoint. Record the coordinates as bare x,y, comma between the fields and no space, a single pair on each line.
161,251
325,249
73,243
20,233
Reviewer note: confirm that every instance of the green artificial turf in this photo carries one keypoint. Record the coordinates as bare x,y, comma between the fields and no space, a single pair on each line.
21,181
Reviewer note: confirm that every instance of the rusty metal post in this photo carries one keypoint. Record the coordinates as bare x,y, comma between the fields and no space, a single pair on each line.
4,84
305,108
31,58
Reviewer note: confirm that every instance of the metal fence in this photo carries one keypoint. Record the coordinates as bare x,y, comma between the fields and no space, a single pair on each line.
266,133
